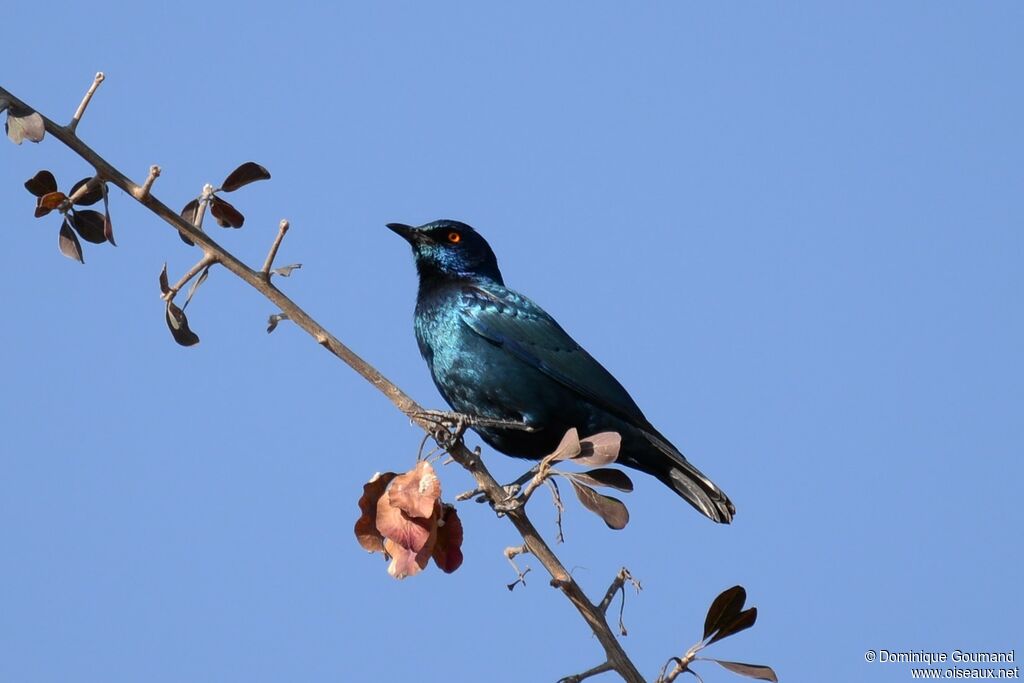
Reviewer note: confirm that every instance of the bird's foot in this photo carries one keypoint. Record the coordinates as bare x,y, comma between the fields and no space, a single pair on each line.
507,505
510,504
447,427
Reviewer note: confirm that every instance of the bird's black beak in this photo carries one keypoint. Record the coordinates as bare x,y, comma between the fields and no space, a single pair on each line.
406,232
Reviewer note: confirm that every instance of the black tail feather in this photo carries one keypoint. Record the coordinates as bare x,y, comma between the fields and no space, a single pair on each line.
676,472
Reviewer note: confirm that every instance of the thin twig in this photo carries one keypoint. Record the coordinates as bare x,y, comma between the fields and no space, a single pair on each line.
619,584
510,554
560,577
576,678
540,474
207,260
73,125
204,203
269,263
682,665
556,499
87,187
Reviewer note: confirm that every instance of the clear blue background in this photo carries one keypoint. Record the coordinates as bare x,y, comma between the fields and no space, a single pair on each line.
793,232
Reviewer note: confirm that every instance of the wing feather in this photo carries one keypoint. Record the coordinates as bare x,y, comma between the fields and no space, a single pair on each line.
527,332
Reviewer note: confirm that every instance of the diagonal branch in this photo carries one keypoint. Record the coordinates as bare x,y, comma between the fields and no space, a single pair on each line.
560,577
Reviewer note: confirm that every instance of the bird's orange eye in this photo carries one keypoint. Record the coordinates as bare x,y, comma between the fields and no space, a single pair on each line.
454,237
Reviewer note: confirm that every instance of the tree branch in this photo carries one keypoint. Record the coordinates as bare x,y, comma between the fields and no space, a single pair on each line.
560,577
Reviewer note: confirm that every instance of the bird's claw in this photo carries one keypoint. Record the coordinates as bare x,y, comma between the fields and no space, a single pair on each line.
510,504
458,423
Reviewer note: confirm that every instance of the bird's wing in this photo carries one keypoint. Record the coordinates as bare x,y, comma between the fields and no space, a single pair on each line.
525,330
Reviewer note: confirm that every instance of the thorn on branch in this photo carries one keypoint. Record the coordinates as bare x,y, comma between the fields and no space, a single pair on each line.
154,173
269,263
73,125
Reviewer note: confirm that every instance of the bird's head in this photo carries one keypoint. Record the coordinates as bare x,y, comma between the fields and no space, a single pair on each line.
449,249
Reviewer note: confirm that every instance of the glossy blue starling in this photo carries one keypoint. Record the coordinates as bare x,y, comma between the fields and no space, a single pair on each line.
496,354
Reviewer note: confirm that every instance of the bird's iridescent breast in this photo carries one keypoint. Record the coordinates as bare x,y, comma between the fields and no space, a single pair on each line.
475,374
456,356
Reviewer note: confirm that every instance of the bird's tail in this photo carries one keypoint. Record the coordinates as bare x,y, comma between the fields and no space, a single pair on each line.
691,484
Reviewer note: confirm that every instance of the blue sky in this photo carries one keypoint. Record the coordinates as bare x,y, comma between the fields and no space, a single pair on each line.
792,232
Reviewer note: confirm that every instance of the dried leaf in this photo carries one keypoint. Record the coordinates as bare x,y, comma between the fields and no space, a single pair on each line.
599,450
408,532
616,479
94,194
69,244
227,216
568,447
165,286
758,671
41,183
416,491
24,125
611,510
741,622
189,214
108,229
249,172
274,320
724,609
89,225
195,285
408,540
448,548
177,323
285,271
405,562
366,525
48,202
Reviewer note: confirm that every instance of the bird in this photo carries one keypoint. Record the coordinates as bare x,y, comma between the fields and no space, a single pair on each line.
495,354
